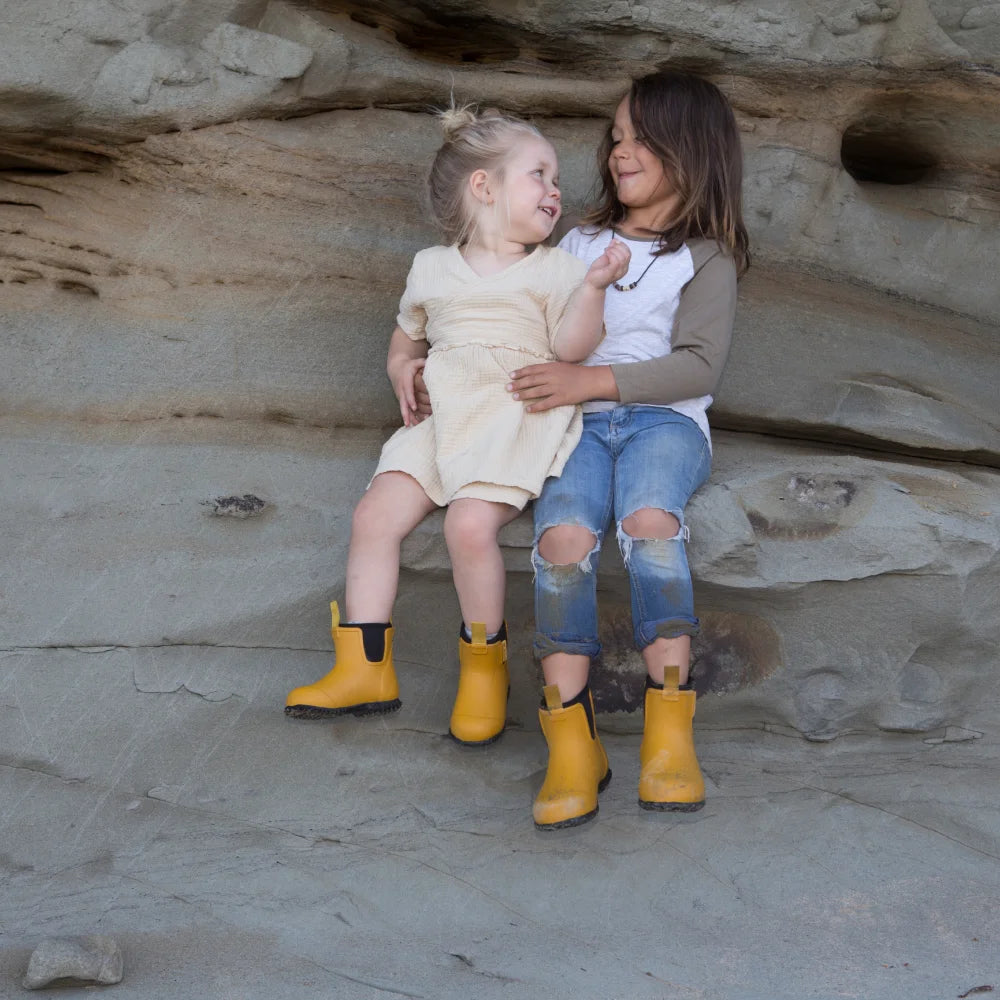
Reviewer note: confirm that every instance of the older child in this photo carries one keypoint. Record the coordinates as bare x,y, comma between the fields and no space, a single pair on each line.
489,301
671,170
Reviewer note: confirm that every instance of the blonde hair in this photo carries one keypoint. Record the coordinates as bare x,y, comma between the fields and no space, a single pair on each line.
473,140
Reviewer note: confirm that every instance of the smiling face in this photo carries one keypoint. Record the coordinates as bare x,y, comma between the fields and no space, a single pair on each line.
641,183
527,197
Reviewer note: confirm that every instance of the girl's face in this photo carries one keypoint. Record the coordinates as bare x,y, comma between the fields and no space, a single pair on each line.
528,201
641,183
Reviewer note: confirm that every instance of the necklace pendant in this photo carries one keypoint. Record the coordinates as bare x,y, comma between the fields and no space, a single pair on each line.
645,271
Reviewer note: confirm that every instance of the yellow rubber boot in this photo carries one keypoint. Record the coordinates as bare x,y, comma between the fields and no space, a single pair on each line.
578,766
355,686
670,778
480,712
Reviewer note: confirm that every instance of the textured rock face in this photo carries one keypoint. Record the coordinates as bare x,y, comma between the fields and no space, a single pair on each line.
206,216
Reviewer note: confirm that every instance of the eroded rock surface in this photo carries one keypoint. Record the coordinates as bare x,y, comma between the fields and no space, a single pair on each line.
207,212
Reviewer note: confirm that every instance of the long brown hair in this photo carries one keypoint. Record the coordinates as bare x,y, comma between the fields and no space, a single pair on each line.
688,124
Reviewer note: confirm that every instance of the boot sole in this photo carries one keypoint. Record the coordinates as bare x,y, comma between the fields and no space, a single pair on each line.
477,743
565,824
679,807
315,712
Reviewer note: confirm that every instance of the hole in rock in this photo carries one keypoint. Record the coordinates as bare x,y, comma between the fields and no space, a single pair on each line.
878,153
444,36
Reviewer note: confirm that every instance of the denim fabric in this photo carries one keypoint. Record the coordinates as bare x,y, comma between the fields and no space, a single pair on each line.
629,458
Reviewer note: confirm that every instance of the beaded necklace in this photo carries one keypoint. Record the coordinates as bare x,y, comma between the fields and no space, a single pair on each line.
631,285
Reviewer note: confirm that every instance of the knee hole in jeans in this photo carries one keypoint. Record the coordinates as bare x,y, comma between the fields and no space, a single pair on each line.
651,522
566,544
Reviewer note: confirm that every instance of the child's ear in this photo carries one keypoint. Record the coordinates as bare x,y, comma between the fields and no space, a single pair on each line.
481,186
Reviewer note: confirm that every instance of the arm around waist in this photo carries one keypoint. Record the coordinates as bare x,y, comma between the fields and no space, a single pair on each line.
700,341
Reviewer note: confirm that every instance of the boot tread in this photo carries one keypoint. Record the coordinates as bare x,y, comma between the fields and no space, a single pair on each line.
366,708
565,824
477,743
683,807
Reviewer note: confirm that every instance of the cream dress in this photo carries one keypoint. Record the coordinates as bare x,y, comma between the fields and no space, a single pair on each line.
479,441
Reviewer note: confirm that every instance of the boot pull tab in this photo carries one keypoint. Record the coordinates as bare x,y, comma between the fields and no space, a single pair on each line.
478,632
334,615
671,683
552,699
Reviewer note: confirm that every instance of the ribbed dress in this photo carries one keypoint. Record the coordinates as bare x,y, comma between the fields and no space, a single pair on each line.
479,441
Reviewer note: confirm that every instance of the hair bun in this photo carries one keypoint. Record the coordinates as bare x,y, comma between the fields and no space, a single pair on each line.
453,119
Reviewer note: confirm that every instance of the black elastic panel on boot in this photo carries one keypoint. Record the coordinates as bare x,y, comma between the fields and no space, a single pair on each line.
373,636
686,686
583,698
466,635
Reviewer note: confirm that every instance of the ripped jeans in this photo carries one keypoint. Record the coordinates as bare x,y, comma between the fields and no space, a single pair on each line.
629,458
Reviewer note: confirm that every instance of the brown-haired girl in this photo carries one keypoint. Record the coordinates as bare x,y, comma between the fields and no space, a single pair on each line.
671,171
490,300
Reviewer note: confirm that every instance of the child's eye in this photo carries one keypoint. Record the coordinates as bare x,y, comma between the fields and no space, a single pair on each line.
640,139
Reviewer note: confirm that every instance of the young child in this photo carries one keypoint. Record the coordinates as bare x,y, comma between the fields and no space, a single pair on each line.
494,298
671,171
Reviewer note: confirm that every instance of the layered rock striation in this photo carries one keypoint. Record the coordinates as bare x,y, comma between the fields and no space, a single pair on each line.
207,212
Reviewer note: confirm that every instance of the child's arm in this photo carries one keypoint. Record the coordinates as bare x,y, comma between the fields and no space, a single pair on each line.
701,339
702,335
582,325
405,362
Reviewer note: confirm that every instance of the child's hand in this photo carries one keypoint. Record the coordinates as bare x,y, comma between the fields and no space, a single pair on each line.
414,403
610,266
560,383
422,396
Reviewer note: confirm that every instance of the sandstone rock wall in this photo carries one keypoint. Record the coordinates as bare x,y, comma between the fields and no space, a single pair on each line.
206,215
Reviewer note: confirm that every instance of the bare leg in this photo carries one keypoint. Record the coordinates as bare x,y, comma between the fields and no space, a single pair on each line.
568,671
668,652
470,529
393,506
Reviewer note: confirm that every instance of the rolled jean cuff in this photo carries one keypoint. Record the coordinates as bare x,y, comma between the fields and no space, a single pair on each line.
546,645
668,628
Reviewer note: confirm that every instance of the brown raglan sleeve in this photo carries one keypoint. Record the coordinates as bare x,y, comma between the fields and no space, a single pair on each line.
703,330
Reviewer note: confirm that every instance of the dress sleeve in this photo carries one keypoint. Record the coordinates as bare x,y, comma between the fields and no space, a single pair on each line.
565,277
412,318
703,331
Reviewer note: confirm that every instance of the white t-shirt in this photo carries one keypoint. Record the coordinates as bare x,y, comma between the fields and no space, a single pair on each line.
639,323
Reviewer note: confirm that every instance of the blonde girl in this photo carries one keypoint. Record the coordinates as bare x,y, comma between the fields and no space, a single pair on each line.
492,299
